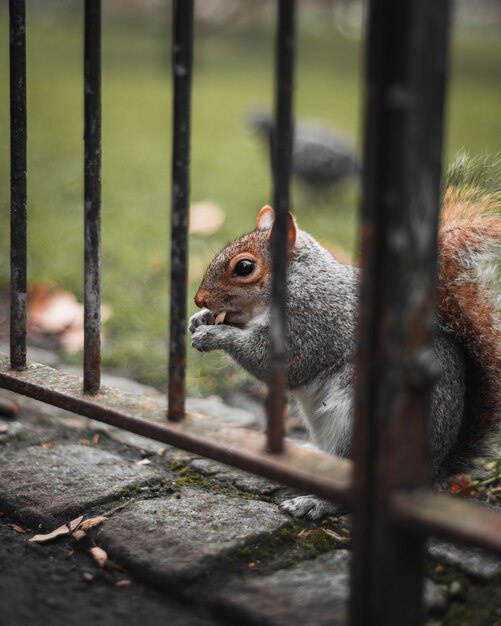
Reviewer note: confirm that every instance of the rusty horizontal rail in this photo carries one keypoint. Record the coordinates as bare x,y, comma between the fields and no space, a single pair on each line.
315,472
449,517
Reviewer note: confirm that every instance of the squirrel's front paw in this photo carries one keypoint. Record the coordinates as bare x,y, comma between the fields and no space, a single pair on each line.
309,507
207,338
202,318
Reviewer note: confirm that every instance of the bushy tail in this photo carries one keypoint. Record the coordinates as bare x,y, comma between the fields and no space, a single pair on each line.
469,298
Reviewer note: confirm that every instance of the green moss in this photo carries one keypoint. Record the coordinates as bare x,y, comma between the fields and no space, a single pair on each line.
22,437
283,548
482,607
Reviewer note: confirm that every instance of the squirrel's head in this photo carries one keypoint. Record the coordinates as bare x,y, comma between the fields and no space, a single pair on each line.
238,281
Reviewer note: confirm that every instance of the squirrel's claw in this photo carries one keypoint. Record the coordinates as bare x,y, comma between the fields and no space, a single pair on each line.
202,318
207,338
308,507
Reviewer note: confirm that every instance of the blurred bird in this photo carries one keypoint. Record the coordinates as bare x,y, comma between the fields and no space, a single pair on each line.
320,158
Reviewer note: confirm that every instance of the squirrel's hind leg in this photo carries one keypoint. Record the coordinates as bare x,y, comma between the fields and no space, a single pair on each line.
310,507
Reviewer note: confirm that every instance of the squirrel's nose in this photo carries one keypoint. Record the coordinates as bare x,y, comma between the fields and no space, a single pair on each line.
201,299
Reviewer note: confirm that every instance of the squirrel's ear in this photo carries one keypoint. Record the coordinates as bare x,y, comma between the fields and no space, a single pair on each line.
291,230
265,218
265,221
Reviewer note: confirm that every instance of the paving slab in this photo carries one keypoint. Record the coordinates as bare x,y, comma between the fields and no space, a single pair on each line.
242,480
312,592
177,539
474,561
40,485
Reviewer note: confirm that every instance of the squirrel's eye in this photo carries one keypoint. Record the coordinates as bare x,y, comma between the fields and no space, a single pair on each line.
245,267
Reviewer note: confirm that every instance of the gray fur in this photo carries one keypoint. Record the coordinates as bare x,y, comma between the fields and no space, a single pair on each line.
322,308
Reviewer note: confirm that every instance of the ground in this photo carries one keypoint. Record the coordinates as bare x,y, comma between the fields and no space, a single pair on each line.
187,539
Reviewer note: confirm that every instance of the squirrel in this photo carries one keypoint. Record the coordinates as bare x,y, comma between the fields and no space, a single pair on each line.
321,307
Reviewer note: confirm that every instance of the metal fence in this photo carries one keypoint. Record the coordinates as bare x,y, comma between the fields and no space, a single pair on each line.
393,510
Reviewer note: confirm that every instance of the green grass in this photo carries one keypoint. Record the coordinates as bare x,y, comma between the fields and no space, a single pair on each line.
233,76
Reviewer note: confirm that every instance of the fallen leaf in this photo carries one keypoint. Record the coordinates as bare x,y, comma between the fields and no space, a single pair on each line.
84,442
304,533
65,529
51,310
251,565
462,485
161,451
331,533
55,312
144,462
99,555
18,529
96,438
124,582
93,521
79,535
206,218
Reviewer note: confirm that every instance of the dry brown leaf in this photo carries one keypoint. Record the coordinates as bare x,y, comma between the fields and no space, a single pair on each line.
51,310
84,442
79,534
99,555
124,582
206,218
47,445
56,312
144,462
331,533
96,438
17,529
251,565
65,529
93,521
304,533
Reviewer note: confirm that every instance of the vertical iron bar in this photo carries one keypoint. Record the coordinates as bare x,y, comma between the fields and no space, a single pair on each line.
282,162
182,62
92,195
18,180
406,59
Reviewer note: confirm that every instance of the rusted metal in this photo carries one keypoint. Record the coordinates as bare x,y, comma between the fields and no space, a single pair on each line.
18,182
282,163
92,195
182,62
406,55
314,472
451,518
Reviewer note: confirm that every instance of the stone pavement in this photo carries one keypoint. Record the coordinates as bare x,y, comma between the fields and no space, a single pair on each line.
205,535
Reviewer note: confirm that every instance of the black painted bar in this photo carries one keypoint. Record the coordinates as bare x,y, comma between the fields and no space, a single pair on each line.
18,183
182,62
92,198
282,163
406,58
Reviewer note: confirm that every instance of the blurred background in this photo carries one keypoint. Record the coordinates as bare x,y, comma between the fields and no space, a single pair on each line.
230,177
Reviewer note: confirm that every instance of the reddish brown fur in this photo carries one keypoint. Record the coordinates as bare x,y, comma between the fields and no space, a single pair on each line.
469,224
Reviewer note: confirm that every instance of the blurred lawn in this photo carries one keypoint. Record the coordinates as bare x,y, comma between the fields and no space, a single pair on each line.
233,76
